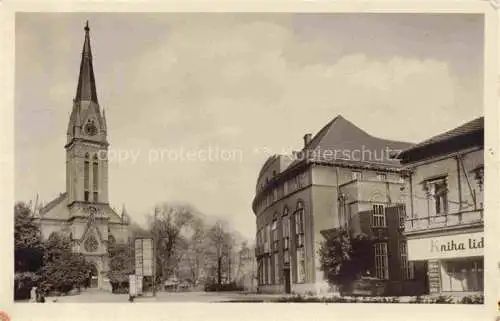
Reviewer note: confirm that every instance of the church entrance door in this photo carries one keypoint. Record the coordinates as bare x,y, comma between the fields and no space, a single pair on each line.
93,277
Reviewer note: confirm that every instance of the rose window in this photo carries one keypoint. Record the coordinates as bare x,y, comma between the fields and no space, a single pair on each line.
91,244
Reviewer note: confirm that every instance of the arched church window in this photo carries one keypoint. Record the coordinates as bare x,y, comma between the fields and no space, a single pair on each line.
95,175
86,169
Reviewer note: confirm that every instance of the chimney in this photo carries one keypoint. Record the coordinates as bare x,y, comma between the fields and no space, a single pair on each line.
307,139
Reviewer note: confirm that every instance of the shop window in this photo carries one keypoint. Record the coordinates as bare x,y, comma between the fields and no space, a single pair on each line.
379,217
381,177
464,275
381,261
356,175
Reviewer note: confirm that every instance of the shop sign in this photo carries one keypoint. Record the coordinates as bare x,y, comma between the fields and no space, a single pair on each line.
446,247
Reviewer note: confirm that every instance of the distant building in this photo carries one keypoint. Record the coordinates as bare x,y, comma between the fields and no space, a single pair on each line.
244,268
83,211
445,224
342,178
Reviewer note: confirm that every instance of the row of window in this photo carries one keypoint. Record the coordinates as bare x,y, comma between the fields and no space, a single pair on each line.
295,183
381,265
358,175
268,236
289,186
271,234
269,271
95,179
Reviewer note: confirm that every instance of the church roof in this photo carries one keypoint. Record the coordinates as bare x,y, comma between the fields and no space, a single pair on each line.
86,90
471,127
50,205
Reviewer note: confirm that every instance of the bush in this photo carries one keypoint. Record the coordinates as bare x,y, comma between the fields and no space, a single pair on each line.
120,287
443,299
214,287
344,258
23,282
475,299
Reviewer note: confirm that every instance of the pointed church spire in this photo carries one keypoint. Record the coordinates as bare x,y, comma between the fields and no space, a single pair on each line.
104,125
125,216
86,89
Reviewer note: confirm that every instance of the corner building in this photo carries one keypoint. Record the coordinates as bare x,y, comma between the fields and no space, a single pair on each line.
342,178
83,212
445,224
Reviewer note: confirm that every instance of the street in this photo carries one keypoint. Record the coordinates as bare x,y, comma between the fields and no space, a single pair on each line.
95,295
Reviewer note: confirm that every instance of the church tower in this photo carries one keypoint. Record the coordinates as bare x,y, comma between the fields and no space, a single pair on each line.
87,145
83,212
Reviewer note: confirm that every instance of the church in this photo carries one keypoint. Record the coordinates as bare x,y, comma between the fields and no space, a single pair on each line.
83,211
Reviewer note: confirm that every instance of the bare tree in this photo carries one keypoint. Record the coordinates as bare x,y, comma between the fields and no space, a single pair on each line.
222,245
168,226
193,260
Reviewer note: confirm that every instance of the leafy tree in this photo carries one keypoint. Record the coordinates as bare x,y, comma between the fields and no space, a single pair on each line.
121,263
345,258
28,249
63,270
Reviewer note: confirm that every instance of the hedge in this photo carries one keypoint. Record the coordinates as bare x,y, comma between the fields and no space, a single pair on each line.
473,299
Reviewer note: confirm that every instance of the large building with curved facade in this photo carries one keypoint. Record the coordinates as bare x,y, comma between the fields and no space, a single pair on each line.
343,177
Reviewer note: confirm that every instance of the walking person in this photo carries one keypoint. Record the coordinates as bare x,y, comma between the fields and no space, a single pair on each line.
41,297
33,294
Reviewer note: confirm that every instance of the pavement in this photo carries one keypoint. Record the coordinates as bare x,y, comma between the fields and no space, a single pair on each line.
100,296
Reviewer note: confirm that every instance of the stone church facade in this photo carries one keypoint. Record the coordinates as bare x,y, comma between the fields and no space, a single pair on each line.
83,212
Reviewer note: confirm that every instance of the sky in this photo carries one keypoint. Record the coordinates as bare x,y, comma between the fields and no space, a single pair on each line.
232,88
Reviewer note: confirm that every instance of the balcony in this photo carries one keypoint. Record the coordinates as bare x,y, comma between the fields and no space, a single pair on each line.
448,221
